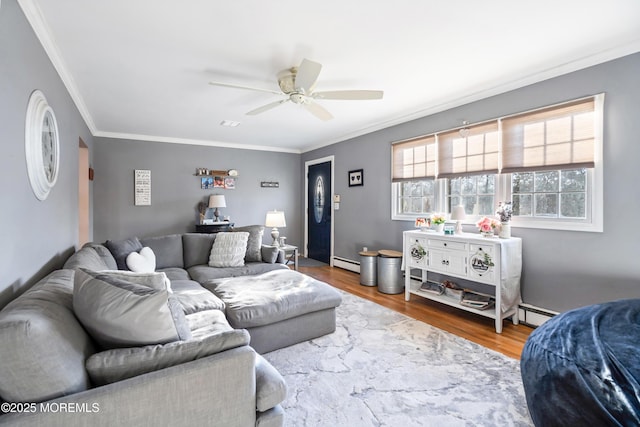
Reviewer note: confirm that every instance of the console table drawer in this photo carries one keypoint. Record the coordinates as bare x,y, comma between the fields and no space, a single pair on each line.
473,248
447,244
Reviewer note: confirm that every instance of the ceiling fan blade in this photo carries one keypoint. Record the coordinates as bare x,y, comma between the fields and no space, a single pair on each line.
307,75
244,87
317,110
349,94
266,107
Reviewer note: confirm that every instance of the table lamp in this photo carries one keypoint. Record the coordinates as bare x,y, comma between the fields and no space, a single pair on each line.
458,214
275,219
217,201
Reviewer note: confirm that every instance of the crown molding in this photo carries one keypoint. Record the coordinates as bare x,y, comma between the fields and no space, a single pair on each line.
34,15
173,140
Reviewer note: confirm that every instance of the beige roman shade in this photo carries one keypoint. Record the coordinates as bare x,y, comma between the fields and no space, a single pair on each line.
475,152
558,137
414,159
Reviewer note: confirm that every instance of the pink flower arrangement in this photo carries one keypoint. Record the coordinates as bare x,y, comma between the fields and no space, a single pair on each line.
487,225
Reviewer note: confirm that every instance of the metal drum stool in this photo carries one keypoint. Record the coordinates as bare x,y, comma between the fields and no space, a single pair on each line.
368,268
390,279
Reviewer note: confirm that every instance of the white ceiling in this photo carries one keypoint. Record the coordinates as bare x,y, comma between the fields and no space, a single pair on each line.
140,69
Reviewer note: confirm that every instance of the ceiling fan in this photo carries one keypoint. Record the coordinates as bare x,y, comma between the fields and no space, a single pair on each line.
297,84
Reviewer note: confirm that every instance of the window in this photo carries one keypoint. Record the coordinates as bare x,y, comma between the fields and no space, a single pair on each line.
548,162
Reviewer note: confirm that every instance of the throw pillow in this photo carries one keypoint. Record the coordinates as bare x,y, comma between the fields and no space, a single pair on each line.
143,261
122,313
228,249
254,243
270,254
120,249
158,280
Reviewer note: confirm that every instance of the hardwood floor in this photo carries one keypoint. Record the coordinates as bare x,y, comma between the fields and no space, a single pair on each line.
470,326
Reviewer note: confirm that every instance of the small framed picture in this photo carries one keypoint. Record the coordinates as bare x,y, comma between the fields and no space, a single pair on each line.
206,182
218,182
229,183
356,177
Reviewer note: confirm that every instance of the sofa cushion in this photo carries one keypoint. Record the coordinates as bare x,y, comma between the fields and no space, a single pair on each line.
121,313
105,254
209,322
44,347
120,249
168,250
254,242
229,249
271,388
204,273
194,297
87,257
122,363
197,247
143,261
271,297
174,273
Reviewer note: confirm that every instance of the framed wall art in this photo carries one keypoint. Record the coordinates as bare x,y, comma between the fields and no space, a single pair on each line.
356,178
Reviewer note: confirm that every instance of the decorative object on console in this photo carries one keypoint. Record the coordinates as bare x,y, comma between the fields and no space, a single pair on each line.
423,223
487,226
438,221
217,201
275,219
504,212
458,214
42,145
356,178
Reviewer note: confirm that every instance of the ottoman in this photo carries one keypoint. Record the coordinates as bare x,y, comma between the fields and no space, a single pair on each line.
582,368
279,308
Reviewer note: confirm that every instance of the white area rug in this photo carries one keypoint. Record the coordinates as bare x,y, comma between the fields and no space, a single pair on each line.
381,368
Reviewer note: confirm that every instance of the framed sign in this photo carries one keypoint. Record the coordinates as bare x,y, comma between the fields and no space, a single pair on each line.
142,187
356,178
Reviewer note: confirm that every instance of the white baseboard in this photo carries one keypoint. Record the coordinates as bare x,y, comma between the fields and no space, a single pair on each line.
534,316
346,264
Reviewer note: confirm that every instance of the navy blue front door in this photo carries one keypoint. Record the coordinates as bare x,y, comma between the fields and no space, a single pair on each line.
319,212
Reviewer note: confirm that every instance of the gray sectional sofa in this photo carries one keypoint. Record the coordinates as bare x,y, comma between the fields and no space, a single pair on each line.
55,373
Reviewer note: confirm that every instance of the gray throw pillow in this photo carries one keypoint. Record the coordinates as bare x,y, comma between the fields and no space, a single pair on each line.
120,249
121,313
228,249
270,254
254,243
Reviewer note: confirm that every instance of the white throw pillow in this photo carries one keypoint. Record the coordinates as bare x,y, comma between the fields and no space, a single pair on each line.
143,261
228,249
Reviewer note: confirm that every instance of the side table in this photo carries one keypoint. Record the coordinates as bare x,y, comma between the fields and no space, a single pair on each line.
291,252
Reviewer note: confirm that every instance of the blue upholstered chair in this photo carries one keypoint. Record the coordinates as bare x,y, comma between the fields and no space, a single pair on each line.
582,368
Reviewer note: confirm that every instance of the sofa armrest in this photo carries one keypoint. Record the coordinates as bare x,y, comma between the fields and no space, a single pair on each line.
271,388
221,387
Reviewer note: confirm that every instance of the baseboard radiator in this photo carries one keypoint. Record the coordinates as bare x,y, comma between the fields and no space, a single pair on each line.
534,316
527,313
346,264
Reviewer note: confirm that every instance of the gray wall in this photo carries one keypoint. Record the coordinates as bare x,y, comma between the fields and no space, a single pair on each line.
176,192
562,269
35,236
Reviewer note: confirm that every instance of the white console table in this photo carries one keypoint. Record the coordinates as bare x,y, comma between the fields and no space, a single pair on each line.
490,261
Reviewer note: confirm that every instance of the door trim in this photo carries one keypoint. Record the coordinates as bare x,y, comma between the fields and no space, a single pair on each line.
330,159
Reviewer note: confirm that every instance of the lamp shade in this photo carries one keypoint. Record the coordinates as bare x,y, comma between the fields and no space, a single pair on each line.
217,201
275,219
458,214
